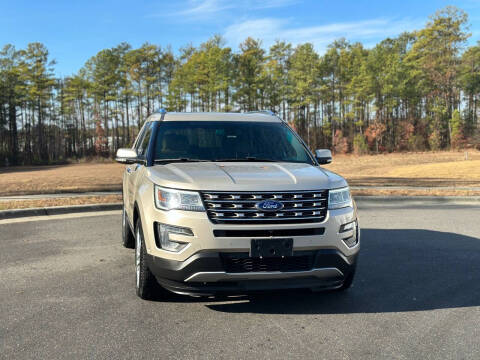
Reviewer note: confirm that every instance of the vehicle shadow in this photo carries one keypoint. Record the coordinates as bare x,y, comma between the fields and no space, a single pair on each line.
398,270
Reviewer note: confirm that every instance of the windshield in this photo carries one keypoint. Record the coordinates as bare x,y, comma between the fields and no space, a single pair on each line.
228,141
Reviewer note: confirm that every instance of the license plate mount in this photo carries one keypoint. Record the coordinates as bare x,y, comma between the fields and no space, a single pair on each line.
261,248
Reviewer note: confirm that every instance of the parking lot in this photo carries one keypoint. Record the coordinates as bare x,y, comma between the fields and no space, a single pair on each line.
67,291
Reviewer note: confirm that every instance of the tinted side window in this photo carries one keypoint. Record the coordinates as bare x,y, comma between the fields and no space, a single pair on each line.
139,137
143,143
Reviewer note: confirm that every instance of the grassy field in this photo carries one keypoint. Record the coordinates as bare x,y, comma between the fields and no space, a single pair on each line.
427,169
61,178
429,172
23,204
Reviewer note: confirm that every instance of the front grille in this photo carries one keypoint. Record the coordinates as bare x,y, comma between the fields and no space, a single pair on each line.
240,264
239,207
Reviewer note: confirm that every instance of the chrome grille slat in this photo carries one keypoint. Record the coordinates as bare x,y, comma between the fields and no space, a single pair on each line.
256,211
253,201
239,207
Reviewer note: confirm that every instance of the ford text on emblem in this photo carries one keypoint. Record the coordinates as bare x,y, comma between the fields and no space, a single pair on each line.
269,205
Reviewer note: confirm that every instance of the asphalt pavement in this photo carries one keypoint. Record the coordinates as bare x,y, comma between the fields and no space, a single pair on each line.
67,291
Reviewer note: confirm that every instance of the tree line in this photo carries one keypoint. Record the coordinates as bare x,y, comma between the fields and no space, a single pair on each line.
414,92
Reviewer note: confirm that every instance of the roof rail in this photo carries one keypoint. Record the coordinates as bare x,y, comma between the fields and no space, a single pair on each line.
266,112
162,112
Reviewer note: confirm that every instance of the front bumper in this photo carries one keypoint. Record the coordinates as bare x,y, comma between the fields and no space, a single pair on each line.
201,268
207,273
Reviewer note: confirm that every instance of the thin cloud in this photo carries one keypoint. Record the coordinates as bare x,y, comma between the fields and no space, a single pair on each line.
270,29
268,4
207,9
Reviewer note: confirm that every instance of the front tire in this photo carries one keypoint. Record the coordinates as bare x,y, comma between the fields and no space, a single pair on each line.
348,281
128,240
146,284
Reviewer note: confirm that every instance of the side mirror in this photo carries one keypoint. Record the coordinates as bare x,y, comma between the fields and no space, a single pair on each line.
323,156
126,156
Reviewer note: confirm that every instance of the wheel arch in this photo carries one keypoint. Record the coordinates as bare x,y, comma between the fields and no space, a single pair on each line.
136,213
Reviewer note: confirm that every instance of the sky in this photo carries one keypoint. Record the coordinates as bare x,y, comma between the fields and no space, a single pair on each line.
73,31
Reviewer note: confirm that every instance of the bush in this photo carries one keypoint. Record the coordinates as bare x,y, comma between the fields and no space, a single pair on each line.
360,146
101,145
374,134
434,141
475,139
340,143
416,143
406,131
456,136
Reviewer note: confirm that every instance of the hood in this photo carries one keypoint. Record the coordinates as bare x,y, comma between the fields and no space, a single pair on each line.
244,176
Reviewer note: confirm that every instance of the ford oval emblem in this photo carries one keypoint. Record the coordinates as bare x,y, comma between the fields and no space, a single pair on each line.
269,205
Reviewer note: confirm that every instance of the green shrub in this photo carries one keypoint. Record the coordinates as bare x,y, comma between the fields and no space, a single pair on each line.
416,143
360,146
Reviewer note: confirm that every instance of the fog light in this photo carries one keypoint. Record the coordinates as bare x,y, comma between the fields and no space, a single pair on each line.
351,240
163,237
347,227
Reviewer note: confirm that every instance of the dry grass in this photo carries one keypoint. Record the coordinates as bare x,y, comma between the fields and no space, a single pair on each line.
427,169
464,170
23,204
61,178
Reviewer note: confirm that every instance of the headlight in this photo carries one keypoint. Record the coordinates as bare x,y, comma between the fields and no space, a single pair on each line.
339,198
168,244
169,199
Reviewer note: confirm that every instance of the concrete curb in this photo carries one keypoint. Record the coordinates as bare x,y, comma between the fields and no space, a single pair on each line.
58,195
416,200
361,201
58,210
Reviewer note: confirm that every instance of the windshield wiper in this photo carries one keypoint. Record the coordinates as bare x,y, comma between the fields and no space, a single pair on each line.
164,161
247,158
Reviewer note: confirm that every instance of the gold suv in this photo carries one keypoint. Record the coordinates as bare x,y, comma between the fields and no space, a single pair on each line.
232,203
